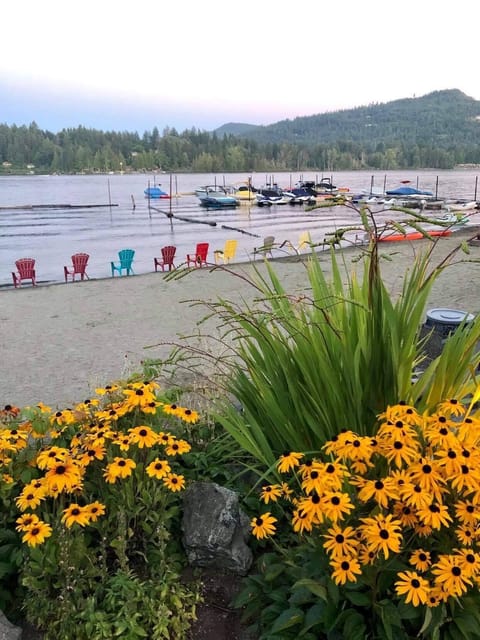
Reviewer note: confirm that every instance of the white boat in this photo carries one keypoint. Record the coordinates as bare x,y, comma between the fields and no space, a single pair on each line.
461,205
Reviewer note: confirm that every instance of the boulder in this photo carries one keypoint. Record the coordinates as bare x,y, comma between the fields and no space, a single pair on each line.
215,529
8,631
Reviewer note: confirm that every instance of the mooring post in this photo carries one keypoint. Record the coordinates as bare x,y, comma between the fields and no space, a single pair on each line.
476,185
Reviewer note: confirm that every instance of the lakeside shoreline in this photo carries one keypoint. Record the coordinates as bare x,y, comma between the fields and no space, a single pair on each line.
59,342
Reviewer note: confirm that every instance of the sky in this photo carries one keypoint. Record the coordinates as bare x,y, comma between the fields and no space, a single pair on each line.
139,64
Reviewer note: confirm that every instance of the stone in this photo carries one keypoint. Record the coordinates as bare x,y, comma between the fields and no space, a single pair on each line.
215,529
8,631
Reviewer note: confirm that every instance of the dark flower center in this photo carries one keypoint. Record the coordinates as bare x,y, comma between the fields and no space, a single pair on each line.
456,571
121,463
379,485
60,470
427,468
139,392
339,538
397,445
384,534
335,500
345,565
143,433
415,583
75,512
330,468
314,475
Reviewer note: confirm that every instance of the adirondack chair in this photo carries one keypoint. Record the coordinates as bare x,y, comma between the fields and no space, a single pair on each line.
25,271
126,258
227,253
266,248
168,256
304,242
79,265
199,258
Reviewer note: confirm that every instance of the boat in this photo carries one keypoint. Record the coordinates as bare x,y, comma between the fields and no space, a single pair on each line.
461,205
409,192
155,192
414,235
216,197
271,194
304,193
245,192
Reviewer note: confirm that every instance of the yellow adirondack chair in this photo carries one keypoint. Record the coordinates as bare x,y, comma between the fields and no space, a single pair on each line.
227,254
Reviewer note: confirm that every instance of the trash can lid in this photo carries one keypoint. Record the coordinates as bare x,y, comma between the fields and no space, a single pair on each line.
449,316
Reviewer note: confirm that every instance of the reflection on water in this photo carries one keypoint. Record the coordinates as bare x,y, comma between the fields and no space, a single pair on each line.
125,220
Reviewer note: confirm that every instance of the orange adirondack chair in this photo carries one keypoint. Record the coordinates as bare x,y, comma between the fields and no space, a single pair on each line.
168,256
79,265
25,271
199,258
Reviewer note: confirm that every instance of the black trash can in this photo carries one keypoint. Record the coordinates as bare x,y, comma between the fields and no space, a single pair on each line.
446,321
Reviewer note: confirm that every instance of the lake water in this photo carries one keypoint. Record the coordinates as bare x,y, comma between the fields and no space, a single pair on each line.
52,235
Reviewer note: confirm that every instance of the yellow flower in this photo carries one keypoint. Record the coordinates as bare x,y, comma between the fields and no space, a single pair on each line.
143,436
37,533
174,482
25,521
263,525
451,575
29,499
177,447
50,457
382,533
420,559
119,468
63,475
289,461
109,388
270,492
188,415
340,542
345,569
158,469
95,510
301,521
413,587
75,514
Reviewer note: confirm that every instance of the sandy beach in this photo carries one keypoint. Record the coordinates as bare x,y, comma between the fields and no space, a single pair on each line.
60,341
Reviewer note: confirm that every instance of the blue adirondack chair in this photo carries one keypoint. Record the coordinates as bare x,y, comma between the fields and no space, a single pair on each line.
126,258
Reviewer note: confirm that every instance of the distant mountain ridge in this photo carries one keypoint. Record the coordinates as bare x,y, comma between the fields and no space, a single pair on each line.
444,118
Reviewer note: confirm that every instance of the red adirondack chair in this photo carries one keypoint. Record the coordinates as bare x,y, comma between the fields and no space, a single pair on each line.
25,271
199,258
168,256
79,265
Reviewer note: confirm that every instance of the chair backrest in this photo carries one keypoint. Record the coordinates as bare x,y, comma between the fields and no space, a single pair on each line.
79,261
25,267
268,243
230,249
304,240
126,258
202,250
168,254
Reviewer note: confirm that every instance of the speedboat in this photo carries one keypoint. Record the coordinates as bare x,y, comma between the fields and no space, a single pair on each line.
270,194
216,197
245,192
155,192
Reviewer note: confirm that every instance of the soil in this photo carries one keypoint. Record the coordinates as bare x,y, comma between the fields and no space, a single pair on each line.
216,618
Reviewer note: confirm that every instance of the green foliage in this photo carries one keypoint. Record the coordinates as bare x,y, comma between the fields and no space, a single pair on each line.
437,130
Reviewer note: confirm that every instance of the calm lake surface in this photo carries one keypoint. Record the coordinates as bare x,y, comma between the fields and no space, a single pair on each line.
52,235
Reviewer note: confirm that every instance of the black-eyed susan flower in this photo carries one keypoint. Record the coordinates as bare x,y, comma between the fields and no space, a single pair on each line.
158,469
263,525
37,533
466,534
288,461
381,490
335,505
75,514
313,481
29,499
172,409
174,482
64,475
469,562
123,441
108,389
340,542
177,447
143,436
467,512
405,513
413,495
50,457
26,521
301,521
452,407
165,438
413,587
270,492
345,569
420,560
119,468
95,510
451,575
382,533
435,515
188,415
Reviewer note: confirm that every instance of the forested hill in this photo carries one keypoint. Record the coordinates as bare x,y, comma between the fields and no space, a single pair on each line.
440,130
443,118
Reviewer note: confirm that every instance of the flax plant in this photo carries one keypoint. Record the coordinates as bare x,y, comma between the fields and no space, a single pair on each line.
307,366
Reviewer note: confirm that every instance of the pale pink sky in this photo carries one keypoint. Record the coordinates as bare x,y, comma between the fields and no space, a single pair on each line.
133,66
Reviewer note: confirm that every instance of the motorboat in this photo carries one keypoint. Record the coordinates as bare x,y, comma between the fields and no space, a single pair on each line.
216,197
304,193
155,192
271,194
245,192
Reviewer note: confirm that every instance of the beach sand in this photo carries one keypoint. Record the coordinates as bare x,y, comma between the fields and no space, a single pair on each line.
58,342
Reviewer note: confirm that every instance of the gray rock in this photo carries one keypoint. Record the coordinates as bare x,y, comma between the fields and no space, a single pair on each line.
215,529
8,631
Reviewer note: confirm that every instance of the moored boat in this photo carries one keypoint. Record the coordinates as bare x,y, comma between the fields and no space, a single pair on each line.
216,197
155,192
